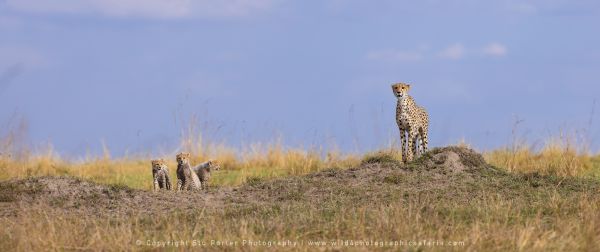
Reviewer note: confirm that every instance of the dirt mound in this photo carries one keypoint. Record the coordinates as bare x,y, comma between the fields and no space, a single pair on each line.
380,176
78,195
453,158
450,169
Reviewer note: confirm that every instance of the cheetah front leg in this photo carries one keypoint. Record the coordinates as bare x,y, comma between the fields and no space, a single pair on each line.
205,182
167,182
403,144
155,183
411,152
187,185
179,184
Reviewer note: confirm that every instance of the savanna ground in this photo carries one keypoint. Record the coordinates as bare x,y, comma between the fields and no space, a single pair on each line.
273,198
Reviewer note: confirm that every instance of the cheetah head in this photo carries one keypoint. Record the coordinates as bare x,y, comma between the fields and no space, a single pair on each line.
214,165
183,158
400,89
158,164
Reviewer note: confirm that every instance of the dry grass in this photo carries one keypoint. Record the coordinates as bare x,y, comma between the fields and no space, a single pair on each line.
264,161
558,156
268,160
479,210
546,201
491,223
564,155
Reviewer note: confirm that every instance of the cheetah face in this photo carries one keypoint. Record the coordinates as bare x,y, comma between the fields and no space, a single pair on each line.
158,164
400,89
183,158
214,165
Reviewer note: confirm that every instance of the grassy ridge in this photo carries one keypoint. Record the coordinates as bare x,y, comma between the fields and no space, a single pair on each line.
273,160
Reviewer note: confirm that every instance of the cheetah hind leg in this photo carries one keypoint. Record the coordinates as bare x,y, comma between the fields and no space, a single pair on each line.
424,140
421,141
416,148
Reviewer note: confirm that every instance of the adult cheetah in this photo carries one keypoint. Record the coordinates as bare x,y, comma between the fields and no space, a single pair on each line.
160,175
186,177
412,120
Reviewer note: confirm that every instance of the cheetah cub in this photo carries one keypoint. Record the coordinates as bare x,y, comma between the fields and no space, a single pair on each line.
187,179
412,120
160,175
204,170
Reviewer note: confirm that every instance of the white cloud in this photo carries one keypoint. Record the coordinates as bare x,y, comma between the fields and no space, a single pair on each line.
453,52
456,51
495,50
395,55
145,8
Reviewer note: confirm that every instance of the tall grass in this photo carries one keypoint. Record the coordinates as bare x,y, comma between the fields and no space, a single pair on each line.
263,160
563,155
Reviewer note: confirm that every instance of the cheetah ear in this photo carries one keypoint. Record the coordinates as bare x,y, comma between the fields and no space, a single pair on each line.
407,86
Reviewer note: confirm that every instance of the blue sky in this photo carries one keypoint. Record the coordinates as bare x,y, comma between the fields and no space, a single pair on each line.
134,73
